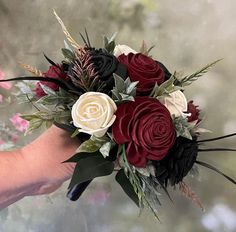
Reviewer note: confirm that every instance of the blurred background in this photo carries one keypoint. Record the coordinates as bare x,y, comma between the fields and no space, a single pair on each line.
187,35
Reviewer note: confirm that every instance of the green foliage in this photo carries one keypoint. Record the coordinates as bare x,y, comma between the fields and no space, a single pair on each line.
166,87
176,82
90,168
182,127
109,43
40,118
187,80
68,54
124,182
57,98
82,155
94,144
136,183
124,90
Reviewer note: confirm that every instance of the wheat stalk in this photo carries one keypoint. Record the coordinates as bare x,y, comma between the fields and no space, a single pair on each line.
66,32
30,69
187,192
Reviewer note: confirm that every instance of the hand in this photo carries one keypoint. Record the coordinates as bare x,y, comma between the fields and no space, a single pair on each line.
43,158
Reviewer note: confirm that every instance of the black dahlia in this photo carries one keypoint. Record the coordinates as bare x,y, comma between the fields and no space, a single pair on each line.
179,161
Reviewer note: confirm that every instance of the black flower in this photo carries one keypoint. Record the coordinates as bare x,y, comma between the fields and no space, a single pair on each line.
105,64
179,161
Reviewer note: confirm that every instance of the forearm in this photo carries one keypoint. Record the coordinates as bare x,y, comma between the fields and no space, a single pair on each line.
14,178
36,168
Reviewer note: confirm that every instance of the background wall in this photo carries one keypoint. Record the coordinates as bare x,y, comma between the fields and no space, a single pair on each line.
187,34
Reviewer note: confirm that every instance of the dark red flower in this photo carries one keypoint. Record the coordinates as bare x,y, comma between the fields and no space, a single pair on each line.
143,69
53,72
195,112
146,127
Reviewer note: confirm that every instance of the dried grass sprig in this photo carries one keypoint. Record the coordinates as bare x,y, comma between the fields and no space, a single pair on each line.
66,32
30,69
187,192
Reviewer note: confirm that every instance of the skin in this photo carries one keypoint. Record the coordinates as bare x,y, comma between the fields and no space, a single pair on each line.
37,168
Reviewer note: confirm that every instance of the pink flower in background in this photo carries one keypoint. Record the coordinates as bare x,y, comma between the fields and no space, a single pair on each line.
1,142
14,138
1,98
4,85
19,123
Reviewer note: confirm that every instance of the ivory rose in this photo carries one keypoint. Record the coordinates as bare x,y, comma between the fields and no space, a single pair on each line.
176,103
123,49
93,113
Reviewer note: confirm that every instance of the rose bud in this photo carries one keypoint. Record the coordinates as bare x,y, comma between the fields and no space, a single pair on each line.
194,111
53,72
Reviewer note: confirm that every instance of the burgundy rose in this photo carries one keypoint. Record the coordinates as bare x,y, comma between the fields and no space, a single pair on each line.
143,69
195,112
53,72
146,127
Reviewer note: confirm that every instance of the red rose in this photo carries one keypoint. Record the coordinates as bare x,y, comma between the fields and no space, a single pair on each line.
195,112
53,72
143,69
146,127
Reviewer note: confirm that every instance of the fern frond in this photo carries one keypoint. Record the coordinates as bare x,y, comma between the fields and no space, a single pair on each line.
187,80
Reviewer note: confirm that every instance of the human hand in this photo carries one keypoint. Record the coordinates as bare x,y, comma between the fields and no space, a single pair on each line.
43,158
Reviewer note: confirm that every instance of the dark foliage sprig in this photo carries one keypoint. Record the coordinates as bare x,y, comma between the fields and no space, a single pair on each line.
83,74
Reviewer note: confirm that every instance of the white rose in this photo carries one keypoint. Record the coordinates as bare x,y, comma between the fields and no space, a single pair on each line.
123,49
176,103
93,113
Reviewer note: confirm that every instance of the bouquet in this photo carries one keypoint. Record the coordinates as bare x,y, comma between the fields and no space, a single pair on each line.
130,114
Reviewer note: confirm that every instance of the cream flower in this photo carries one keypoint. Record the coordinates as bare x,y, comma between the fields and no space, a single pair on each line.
93,113
123,49
176,103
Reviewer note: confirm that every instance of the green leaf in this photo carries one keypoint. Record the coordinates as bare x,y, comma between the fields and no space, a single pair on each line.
34,124
75,133
113,37
88,146
47,90
187,80
90,168
67,46
79,156
124,90
109,44
124,182
105,149
93,144
119,82
68,54
183,127
131,87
